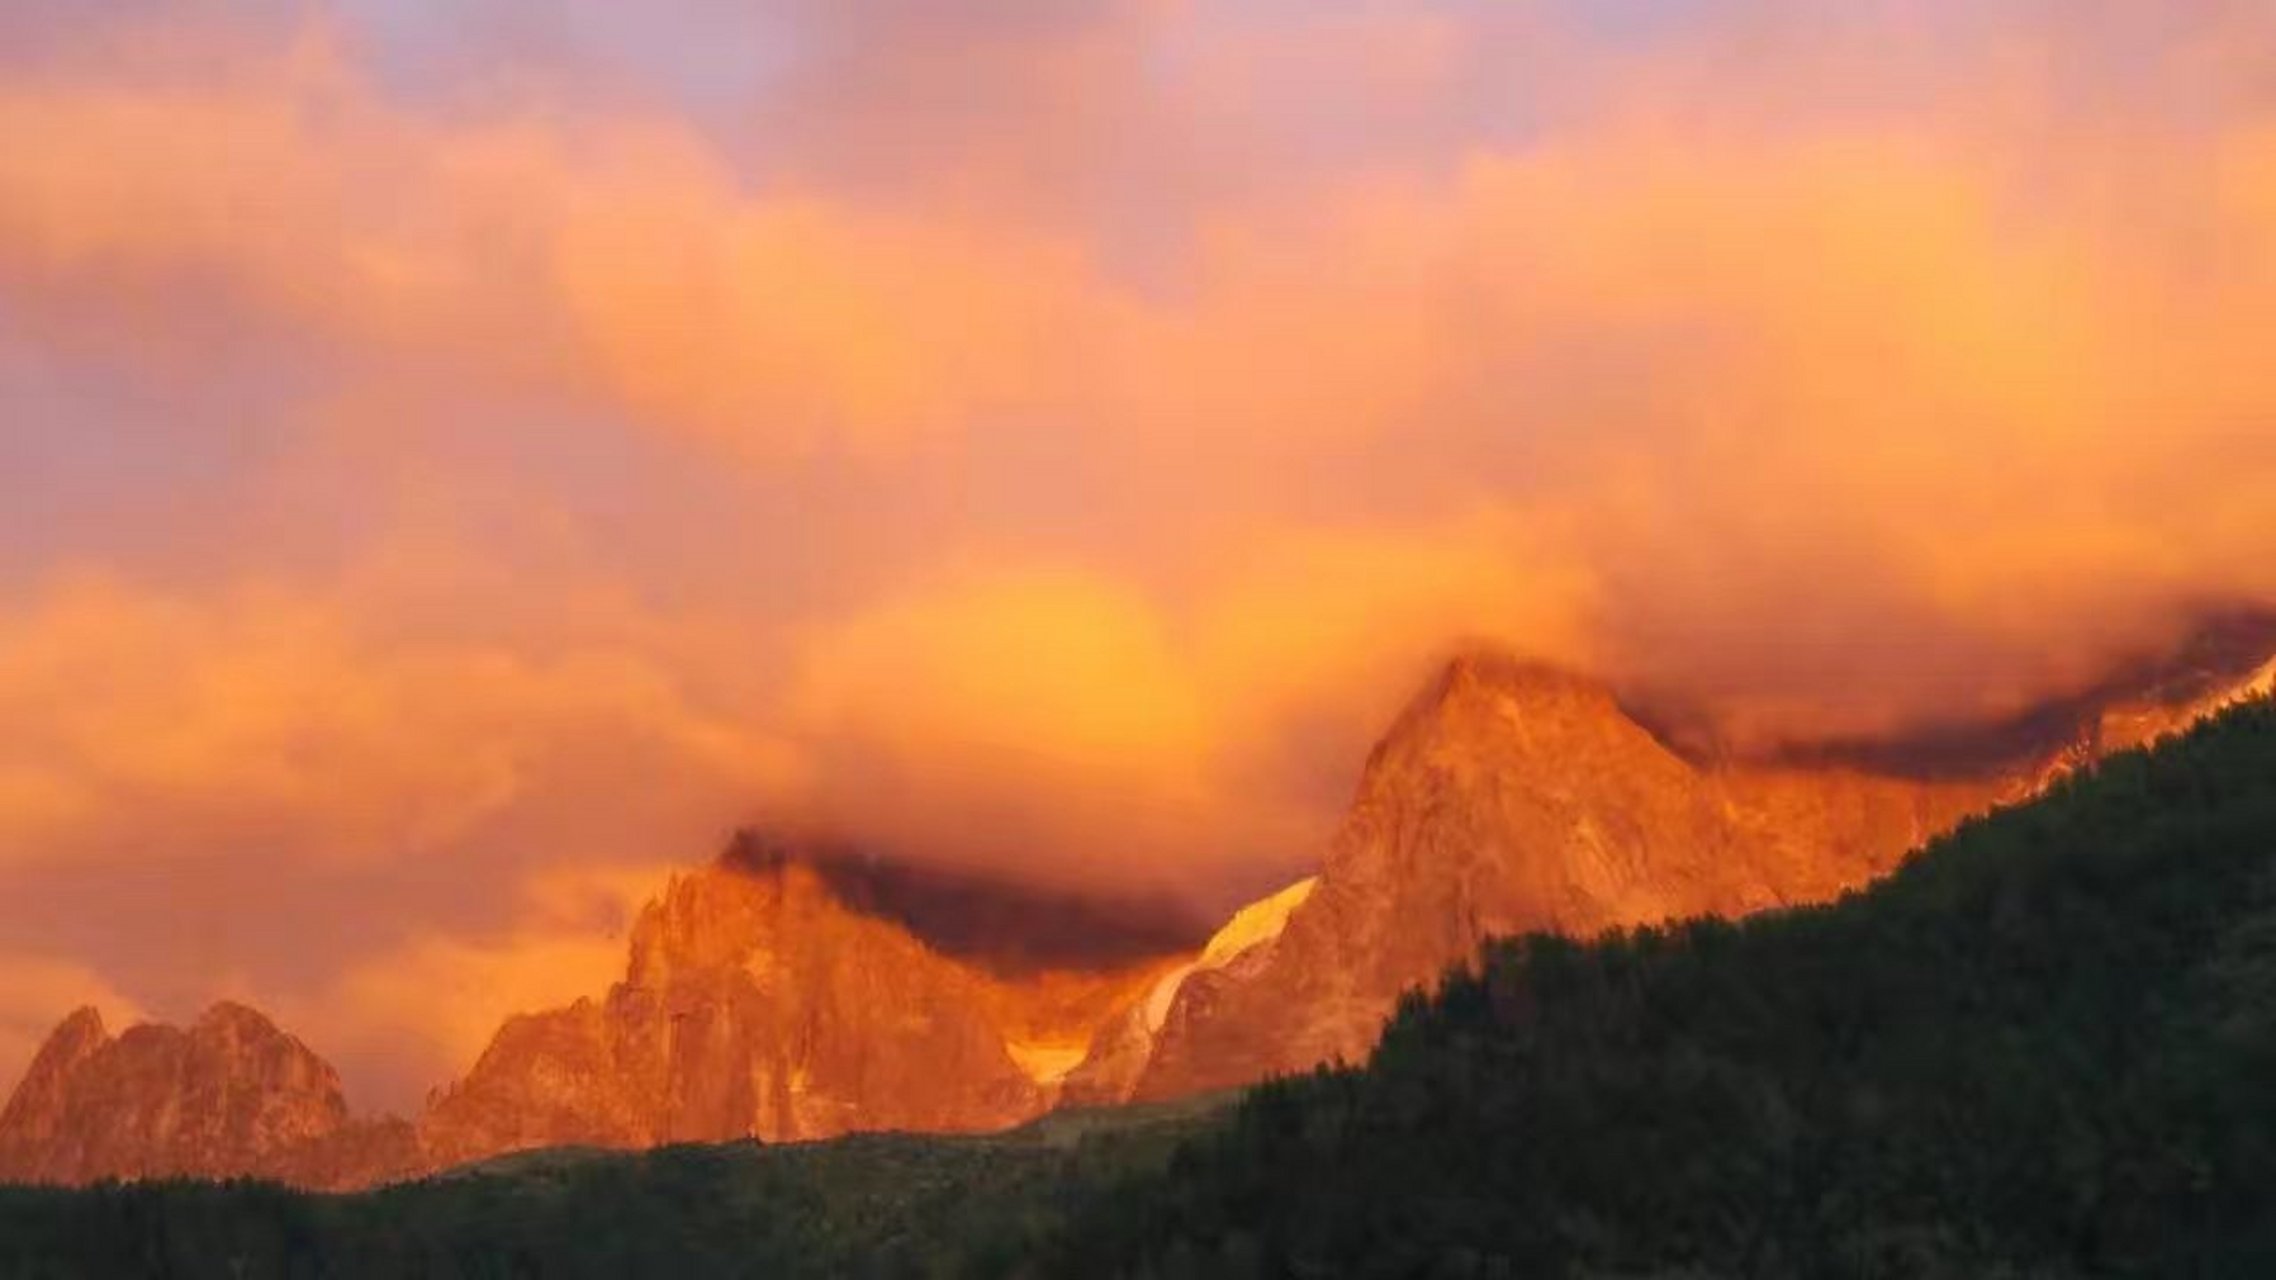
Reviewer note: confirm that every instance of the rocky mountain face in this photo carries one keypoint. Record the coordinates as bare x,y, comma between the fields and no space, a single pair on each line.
777,993
1510,797
232,1095
791,993
758,1003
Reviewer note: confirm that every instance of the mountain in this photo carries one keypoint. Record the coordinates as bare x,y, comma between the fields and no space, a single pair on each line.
772,996
1512,797
229,1096
782,992
793,990
2042,1047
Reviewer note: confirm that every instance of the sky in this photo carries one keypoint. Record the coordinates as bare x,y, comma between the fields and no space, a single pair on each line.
460,460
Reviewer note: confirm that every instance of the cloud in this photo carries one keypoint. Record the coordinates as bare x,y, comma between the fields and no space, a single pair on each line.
262,717
1062,725
1051,440
545,252
1014,717
400,1022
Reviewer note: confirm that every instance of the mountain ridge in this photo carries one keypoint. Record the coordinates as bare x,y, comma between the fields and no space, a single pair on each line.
797,989
757,1002
1510,796
2041,1047
229,1095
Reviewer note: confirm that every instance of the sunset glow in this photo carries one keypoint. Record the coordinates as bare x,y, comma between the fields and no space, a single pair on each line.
457,464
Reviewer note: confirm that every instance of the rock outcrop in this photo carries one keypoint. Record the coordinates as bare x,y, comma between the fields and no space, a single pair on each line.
230,1096
758,1003
778,993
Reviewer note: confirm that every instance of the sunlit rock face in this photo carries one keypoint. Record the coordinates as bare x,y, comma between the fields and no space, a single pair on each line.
774,994
1510,797
230,1096
789,993
757,1002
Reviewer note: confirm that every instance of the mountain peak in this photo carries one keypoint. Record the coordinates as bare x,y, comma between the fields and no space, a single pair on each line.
1483,669
798,988
83,1025
75,1039
1490,709
1480,689
228,1017
1514,795
229,1096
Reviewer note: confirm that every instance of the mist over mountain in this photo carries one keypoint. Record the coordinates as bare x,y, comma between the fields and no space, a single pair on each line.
993,922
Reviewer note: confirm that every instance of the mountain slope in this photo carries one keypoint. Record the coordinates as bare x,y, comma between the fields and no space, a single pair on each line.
2041,1048
1512,797
758,1003
777,994
799,993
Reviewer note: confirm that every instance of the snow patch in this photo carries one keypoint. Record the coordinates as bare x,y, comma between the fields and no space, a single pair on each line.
1252,926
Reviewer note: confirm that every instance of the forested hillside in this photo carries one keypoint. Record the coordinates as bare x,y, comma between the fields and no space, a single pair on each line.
2046,1046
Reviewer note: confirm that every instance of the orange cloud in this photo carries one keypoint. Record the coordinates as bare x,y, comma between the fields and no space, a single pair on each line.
1070,727
420,1013
788,324
1056,442
563,255
138,711
1013,713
